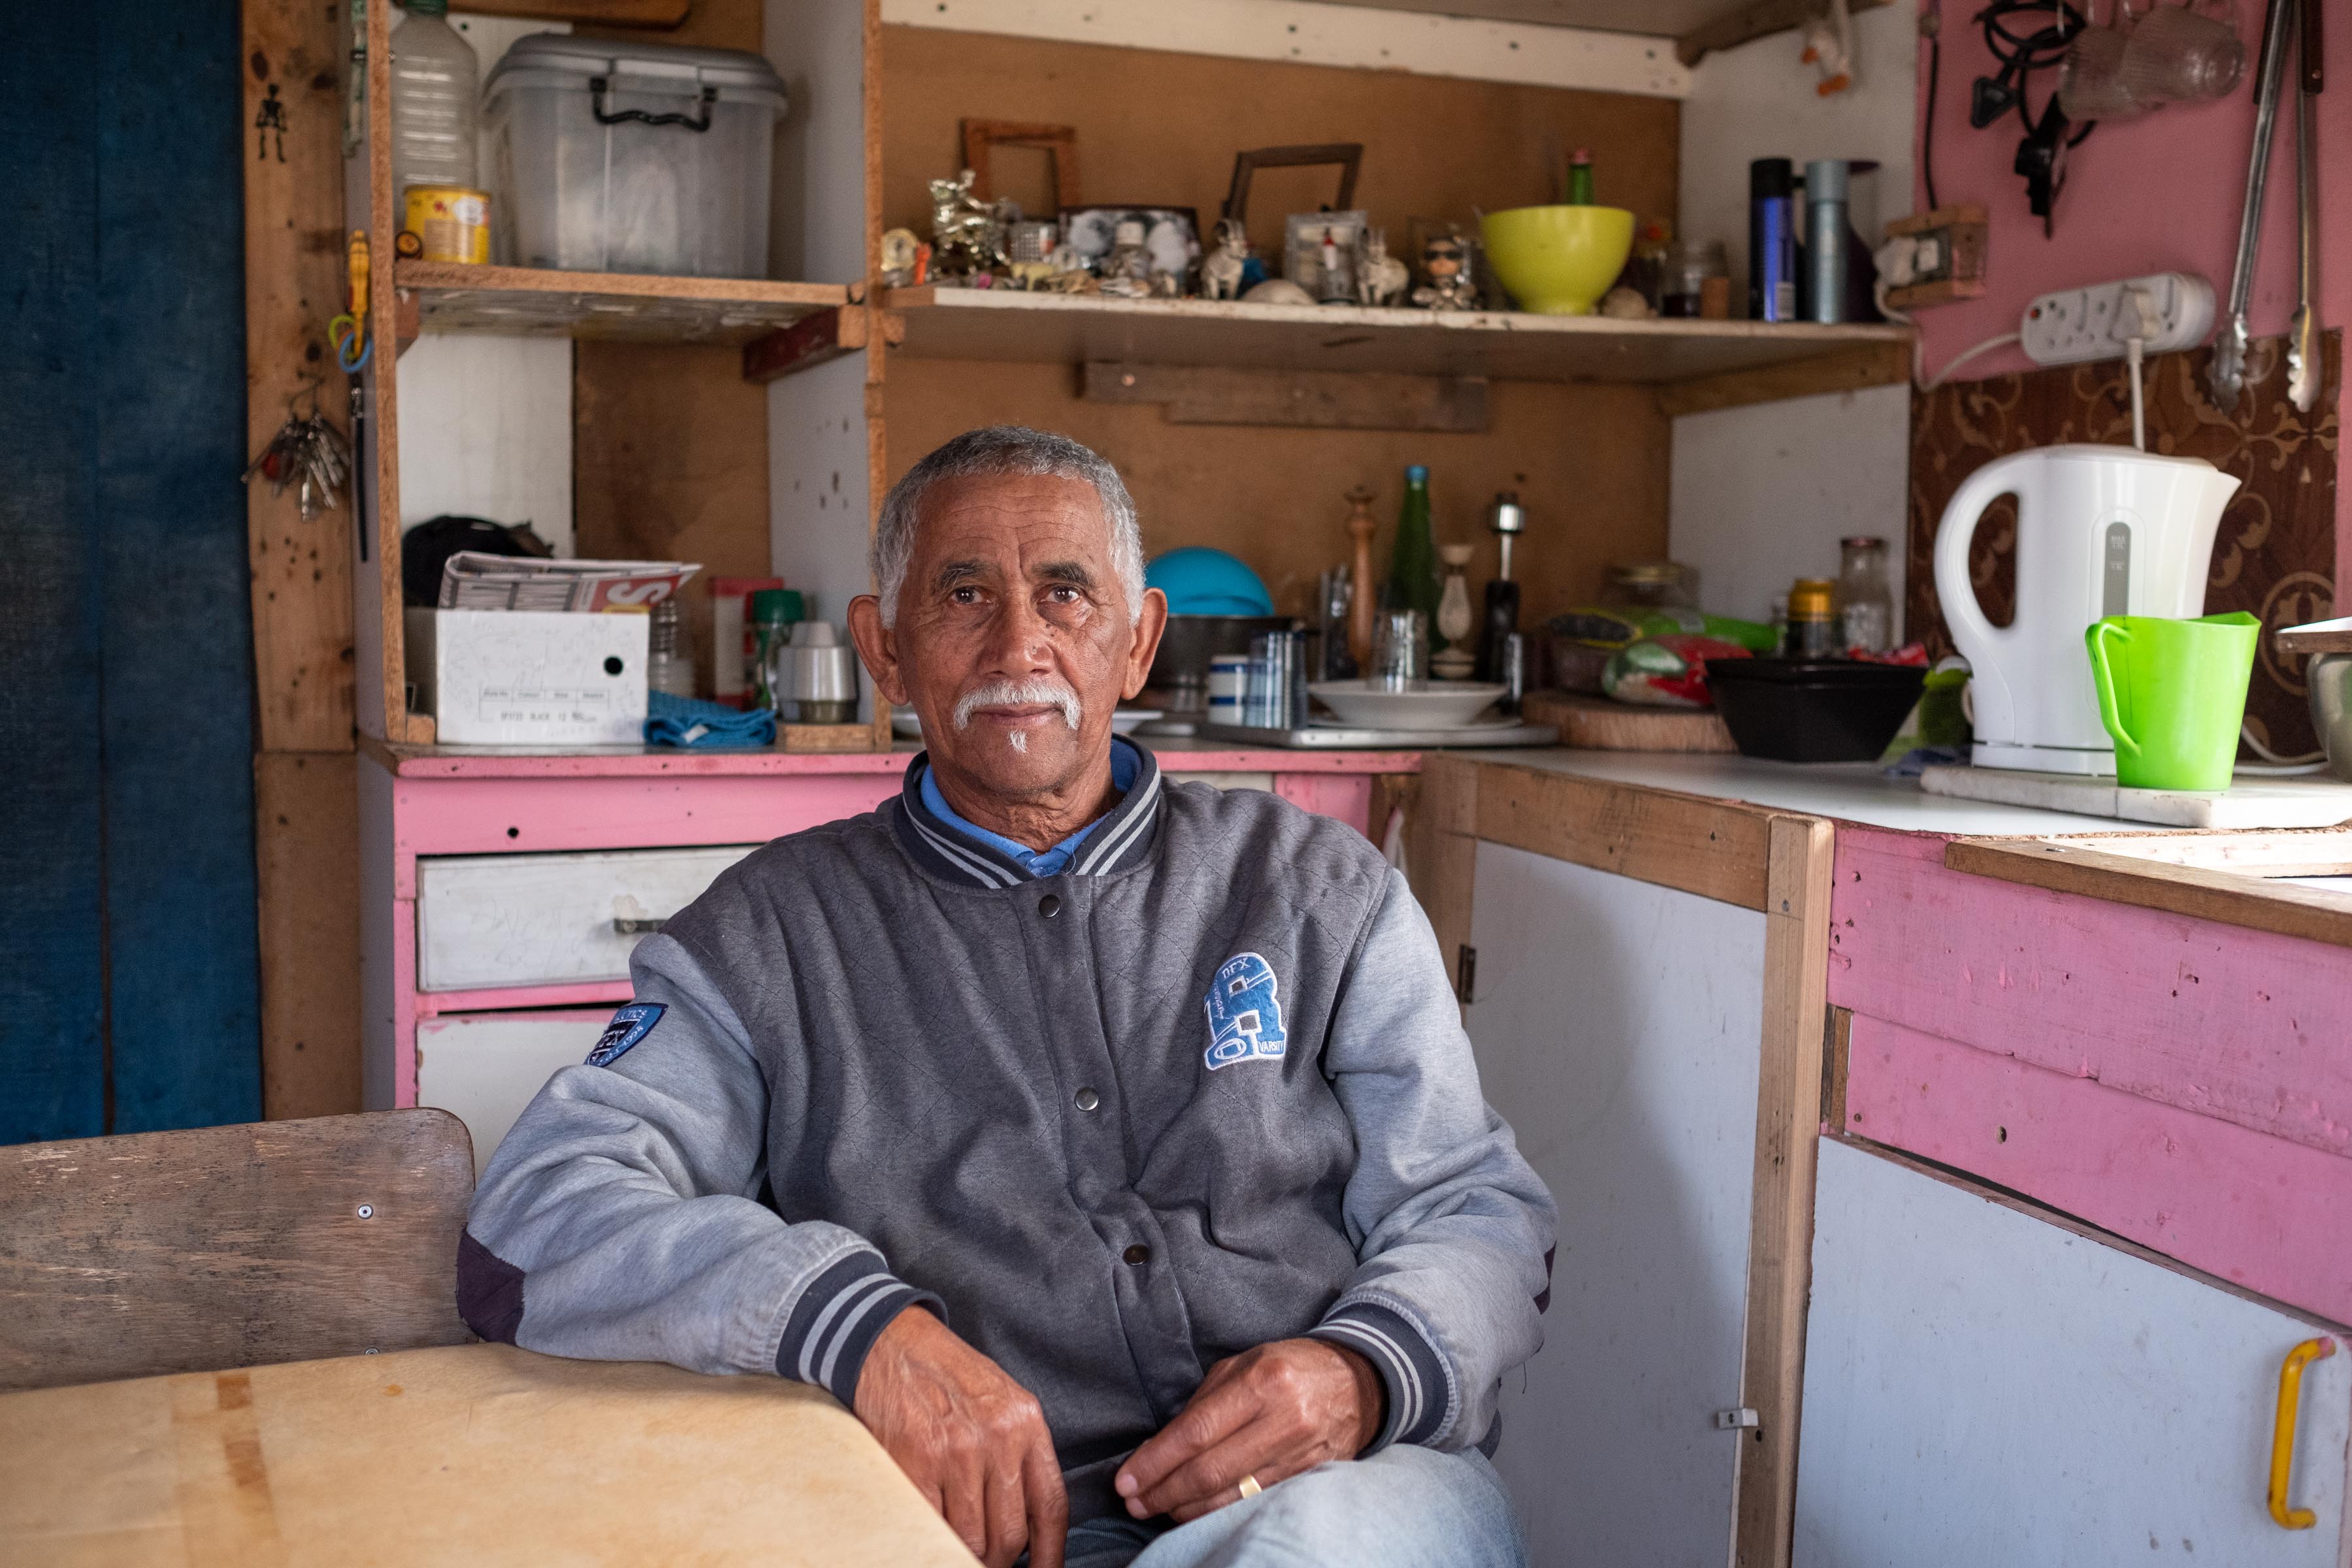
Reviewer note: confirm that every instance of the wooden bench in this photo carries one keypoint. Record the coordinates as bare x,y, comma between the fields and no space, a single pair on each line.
230,1246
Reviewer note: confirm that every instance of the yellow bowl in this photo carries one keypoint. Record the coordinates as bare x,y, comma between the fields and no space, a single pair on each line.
1558,261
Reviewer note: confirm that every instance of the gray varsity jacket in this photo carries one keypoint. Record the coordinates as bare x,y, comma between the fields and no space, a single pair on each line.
1204,1089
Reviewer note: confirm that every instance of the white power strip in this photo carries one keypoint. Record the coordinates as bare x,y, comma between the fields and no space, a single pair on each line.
2175,312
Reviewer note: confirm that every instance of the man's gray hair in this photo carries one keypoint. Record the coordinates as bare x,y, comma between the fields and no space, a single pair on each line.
1004,449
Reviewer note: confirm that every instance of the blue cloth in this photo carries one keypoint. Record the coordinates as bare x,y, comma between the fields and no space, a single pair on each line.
685,721
1125,762
1405,1507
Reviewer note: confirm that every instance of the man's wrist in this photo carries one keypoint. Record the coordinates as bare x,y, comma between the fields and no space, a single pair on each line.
1371,1395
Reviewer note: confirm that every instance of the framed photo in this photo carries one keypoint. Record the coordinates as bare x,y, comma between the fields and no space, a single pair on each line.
1171,235
1320,254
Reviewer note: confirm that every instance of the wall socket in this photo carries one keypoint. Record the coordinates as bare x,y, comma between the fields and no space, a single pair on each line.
2077,324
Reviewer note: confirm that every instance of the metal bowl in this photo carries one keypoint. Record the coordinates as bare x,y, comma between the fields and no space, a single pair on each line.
1180,670
2330,680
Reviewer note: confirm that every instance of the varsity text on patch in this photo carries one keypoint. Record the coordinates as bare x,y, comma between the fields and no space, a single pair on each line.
1244,1018
630,1025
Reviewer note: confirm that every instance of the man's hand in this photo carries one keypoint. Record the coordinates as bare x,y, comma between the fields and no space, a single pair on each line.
1270,1412
973,1440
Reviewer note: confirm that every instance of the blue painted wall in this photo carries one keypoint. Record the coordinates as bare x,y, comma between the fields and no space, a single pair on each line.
127,965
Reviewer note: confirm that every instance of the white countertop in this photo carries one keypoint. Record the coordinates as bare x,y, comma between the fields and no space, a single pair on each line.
1851,792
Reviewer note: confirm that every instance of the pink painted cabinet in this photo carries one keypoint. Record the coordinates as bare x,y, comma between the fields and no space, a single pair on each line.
502,893
2061,1341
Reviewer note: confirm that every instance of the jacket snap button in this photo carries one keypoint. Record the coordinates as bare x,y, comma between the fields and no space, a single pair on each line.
1089,1099
1049,906
1137,1255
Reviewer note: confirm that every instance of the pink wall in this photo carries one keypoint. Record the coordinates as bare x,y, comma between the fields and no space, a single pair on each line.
2162,192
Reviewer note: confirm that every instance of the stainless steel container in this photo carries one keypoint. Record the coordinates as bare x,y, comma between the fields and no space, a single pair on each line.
2330,680
817,680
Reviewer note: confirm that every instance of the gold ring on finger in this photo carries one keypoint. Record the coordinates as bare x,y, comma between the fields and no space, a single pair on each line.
1248,1486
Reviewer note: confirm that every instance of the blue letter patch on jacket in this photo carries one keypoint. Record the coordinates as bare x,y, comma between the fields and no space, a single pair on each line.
630,1025
1245,1020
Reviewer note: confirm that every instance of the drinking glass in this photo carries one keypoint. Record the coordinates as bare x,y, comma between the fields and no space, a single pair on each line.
2184,53
1400,651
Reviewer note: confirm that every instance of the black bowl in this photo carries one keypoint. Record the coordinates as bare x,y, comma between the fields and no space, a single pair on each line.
1813,710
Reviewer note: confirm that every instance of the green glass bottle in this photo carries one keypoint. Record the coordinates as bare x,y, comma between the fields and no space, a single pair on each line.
1413,582
1579,179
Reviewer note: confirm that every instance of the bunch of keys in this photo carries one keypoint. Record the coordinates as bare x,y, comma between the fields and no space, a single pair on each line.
311,453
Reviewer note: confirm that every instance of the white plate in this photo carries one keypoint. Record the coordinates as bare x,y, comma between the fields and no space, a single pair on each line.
905,724
1435,705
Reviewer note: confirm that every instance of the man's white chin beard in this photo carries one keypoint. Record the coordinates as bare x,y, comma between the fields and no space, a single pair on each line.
1020,739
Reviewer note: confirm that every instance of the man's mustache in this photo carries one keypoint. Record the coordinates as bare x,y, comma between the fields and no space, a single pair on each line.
1018,694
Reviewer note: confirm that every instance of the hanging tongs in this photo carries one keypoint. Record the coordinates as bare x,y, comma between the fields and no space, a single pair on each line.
2230,347
2304,363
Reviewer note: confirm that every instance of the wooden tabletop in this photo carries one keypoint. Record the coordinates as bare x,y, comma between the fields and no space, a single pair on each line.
476,1454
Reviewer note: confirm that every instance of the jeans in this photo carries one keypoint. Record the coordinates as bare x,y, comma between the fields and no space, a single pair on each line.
1402,1508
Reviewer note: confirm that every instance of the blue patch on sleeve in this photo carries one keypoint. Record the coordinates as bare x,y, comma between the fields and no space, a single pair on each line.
630,1025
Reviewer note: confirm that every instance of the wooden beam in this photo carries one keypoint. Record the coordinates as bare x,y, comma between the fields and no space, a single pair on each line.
809,341
1754,21
1300,399
1780,1224
2191,892
1842,370
1716,848
302,567
661,13
1442,848
2263,852
305,810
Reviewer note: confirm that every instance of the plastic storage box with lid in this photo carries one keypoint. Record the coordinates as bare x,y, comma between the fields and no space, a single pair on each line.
611,157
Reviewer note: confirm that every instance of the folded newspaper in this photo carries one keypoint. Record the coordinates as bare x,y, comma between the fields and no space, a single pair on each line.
474,580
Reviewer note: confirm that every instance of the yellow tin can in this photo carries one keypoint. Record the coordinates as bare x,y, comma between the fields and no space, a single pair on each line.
453,221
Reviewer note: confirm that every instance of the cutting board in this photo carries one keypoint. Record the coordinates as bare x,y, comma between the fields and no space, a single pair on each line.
1601,725
2315,801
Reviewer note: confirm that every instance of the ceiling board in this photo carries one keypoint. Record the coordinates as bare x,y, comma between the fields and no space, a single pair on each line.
1659,19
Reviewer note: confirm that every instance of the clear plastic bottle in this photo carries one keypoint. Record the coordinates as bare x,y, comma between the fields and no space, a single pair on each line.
436,93
1865,601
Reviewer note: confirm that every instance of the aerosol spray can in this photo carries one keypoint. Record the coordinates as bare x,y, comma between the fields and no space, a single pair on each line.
1825,239
1772,240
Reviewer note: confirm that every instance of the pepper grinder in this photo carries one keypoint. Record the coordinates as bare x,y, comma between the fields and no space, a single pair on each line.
1507,520
1359,605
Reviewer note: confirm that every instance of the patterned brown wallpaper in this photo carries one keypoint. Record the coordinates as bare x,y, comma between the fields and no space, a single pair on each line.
2275,552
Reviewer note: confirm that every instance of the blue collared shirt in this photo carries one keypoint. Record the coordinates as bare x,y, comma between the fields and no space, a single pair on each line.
1124,765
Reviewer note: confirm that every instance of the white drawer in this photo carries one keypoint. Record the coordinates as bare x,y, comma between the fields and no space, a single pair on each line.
549,920
484,1068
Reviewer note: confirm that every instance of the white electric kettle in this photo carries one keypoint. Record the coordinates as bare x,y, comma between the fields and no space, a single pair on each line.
2101,531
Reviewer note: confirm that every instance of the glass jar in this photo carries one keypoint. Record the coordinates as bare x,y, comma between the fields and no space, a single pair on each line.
1812,624
1690,264
1652,584
774,613
668,667
1865,604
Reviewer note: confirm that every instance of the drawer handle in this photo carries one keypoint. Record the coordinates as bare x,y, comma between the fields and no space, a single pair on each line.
2290,1398
623,926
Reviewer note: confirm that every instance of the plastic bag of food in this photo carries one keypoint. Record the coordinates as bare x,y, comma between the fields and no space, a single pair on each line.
1667,671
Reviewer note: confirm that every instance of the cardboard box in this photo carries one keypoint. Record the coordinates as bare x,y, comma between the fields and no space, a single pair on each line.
528,677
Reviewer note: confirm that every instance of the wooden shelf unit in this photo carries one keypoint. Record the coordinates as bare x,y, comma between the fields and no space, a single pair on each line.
535,303
933,322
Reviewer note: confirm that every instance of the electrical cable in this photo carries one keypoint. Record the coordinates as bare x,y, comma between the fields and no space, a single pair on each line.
2309,762
1963,357
1931,23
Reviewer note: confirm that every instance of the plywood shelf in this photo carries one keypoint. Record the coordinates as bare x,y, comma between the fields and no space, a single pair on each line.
1007,325
533,302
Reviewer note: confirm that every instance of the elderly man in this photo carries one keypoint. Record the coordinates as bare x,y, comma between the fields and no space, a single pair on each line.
1111,1148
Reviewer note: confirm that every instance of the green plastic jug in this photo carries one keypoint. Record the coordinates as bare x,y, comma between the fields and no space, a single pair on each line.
2173,695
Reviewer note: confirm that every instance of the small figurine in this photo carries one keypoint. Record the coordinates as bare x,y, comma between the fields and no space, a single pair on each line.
1624,304
898,248
967,234
1220,275
1829,49
1127,270
1446,264
1380,279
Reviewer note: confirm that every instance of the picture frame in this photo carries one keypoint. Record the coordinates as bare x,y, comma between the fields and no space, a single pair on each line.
1321,251
1172,234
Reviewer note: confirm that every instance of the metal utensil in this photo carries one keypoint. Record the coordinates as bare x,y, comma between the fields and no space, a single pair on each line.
2305,366
2230,347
